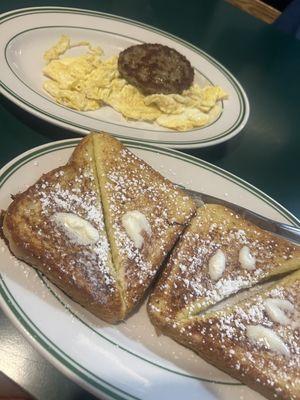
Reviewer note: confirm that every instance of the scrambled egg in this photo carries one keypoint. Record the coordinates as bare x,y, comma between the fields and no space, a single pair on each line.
87,82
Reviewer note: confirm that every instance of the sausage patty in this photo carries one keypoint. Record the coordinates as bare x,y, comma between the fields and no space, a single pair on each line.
154,68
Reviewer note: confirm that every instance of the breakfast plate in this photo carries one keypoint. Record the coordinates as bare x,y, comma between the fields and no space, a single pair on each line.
27,33
128,360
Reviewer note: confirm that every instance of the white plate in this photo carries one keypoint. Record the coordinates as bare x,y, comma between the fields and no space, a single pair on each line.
27,33
126,361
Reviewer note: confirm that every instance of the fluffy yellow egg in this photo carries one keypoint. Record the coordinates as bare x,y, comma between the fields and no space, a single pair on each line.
86,82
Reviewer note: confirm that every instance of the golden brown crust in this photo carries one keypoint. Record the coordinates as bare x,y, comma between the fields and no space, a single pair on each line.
80,293
185,288
127,183
186,284
80,271
219,337
88,273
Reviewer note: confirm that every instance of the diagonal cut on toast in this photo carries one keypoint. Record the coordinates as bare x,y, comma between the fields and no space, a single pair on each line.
186,285
81,255
187,303
127,184
245,341
84,272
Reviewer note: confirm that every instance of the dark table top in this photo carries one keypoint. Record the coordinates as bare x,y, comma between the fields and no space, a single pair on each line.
266,154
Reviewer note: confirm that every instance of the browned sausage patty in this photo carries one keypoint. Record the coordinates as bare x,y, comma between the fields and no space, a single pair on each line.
154,68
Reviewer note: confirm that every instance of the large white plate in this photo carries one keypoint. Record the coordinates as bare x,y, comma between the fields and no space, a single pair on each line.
27,33
125,361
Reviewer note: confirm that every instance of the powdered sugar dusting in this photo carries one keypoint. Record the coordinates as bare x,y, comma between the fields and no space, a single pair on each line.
195,290
132,185
184,298
226,332
88,266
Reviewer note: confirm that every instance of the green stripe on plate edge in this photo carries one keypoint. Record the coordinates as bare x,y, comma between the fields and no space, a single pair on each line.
72,143
176,154
35,10
39,337
44,149
82,127
57,297
88,116
239,90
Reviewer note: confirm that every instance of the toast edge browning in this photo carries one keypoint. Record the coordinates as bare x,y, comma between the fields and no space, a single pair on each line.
84,299
131,306
112,313
173,324
187,333
280,266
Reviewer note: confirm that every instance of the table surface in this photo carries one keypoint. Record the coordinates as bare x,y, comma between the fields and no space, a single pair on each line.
266,154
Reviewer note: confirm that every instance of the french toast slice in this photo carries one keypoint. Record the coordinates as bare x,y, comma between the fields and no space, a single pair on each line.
188,284
187,303
129,185
257,341
70,226
84,272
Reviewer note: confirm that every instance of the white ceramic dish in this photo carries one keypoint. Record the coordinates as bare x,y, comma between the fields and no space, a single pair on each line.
125,361
27,33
